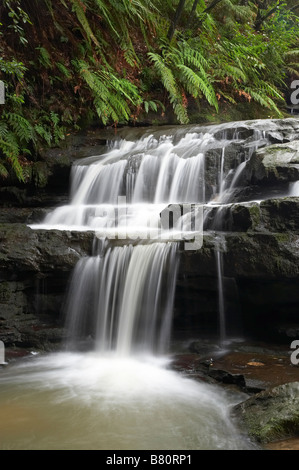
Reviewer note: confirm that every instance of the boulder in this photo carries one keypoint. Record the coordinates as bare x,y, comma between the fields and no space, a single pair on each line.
271,414
275,164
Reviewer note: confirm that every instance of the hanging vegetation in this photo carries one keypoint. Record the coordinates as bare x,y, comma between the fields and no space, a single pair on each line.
67,63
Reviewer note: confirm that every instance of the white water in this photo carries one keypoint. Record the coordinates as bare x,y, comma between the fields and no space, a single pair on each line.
124,298
294,189
91,401
146,175
122,395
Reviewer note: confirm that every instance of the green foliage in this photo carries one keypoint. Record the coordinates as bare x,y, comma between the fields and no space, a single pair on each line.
183,69
68,62
111,94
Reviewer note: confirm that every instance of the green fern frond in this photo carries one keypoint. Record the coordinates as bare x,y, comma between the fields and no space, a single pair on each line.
10,150
21,126
165,74
62,68
193,57
3,171
227,96
264,100
195,84
44,133
3,129
168,79
235,72
44,57
78,8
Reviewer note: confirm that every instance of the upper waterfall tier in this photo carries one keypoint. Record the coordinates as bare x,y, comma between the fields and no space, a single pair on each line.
189,164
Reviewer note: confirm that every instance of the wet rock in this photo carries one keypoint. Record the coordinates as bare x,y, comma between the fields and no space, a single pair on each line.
275,164
272,414
35,267
226,378
260,279
25,250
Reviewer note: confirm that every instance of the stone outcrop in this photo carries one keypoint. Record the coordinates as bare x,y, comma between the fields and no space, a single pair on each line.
35,267
272,414
274,165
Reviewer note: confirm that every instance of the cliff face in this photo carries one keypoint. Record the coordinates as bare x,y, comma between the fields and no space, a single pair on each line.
257,235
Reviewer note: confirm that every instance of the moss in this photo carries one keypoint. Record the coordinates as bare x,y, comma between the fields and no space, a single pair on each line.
271,414
40,174
282,237
255,215
276,429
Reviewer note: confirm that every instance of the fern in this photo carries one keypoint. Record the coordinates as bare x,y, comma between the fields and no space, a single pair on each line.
111,94
78,8
260,97
44,133
10,150
169,81
63,70
44,57
196,84
20,126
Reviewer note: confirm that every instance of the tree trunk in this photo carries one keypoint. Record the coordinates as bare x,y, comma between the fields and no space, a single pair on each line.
192,13
176,19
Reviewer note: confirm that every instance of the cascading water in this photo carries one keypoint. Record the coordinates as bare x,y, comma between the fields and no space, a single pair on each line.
124,299
120,301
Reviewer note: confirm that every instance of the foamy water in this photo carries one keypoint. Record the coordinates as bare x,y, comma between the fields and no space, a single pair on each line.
92,401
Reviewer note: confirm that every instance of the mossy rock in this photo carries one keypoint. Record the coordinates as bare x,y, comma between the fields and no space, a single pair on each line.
272,414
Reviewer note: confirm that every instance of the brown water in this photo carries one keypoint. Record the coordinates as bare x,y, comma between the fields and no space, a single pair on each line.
86,401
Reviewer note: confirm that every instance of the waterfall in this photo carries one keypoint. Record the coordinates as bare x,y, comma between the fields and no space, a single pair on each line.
122,297
294,189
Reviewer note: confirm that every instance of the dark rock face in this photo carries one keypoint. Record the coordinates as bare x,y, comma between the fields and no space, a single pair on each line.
260,253
272,414
35,267
47,178
260,283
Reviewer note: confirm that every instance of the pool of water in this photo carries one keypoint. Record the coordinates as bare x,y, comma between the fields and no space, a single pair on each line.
89,401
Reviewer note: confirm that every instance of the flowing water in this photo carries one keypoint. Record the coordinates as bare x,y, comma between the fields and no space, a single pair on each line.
103,401
113,387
